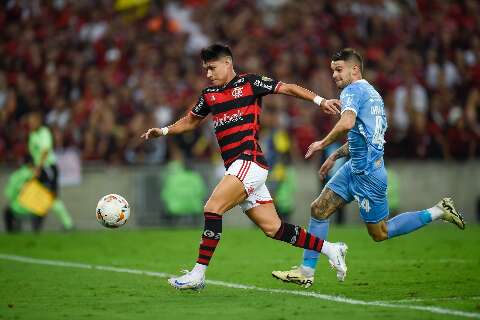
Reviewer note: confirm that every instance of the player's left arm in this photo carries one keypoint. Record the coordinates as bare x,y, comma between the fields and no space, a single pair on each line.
346,122
331,106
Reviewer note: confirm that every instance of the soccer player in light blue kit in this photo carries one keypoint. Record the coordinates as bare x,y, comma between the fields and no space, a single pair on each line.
363,177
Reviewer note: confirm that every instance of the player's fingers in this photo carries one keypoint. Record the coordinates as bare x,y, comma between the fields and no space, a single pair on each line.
309,153
320,173
321,176
335,109
147,134
337,105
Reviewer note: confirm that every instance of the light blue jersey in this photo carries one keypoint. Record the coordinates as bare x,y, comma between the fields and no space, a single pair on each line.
364,177
366,138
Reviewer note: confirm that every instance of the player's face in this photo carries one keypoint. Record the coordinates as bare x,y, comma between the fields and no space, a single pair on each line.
342,73
218,70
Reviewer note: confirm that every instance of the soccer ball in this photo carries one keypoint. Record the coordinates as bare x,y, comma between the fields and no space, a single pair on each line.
113,211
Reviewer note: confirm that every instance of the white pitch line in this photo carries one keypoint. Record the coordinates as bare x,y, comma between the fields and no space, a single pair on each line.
320,296
429,299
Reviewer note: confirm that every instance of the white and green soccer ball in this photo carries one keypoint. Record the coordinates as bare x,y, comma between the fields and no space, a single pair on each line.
113,211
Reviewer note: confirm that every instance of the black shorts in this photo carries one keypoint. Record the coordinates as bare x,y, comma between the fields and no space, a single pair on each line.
49,178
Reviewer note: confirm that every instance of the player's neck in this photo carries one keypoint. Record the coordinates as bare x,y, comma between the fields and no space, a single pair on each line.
355,79
230,77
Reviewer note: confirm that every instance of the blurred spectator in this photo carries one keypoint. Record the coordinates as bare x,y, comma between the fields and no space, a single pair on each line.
183,192
277,146
102,71
410,114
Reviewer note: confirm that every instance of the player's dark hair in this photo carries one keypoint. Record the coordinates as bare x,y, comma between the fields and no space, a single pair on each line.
215,51
349,54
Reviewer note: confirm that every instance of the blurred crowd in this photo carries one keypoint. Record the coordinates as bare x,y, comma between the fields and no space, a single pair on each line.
101,72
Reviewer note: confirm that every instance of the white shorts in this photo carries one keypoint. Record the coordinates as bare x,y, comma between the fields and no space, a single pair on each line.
253,178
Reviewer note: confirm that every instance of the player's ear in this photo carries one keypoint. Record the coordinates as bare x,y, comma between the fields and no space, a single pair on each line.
356,69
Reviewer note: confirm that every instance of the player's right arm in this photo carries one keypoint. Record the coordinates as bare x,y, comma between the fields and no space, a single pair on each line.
184,124
331,106
330,162
187,123
265,85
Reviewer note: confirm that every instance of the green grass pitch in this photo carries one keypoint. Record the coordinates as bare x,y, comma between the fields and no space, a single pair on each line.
431,274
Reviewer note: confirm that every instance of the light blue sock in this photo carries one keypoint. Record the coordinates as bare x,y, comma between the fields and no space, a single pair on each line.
407,222
319,228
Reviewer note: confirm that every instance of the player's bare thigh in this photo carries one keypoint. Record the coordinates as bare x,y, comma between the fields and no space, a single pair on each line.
326,204
378,231
266,218
228,193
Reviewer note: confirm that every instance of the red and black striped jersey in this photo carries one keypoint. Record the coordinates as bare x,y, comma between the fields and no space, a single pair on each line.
235,109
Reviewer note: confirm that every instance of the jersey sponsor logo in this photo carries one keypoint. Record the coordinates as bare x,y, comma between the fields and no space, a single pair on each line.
260,84
237,92
266,78
226,119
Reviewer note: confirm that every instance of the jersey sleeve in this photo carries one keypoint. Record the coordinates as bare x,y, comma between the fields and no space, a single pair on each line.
350,99
262,85
201,109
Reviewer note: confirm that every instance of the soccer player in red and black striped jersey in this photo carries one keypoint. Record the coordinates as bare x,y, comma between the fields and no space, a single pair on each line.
234,100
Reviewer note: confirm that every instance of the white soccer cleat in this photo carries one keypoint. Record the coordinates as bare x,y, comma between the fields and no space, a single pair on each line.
450,214
337,261
190,280
295,275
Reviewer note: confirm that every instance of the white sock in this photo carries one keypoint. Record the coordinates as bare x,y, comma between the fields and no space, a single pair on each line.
435,212
199,268
307,271
328,248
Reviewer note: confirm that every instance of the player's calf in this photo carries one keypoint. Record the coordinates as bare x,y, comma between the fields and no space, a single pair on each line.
299,237
377,231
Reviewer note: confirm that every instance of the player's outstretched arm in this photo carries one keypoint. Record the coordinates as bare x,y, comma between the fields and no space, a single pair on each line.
331,106
186,123
346,122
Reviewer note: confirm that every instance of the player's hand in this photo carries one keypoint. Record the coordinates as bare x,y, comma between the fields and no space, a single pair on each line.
331,106
151,133
314,147
325,168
